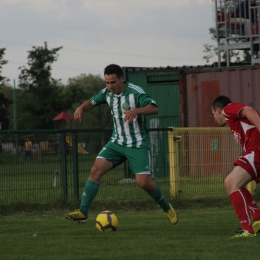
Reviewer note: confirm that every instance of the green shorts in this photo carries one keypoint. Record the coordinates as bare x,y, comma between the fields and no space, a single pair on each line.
138,158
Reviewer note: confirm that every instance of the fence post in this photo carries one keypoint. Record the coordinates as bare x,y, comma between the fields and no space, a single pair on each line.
64,185
75,166
174,160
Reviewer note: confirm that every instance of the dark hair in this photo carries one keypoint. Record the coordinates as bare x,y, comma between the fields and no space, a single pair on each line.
221,102
114,69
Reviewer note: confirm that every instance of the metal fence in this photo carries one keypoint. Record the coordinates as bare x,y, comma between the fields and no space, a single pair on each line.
200,159
51,166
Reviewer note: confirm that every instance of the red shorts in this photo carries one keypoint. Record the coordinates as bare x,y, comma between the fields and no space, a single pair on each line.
250,161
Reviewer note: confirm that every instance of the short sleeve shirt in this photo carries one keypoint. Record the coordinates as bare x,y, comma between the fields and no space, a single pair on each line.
244,131
128,134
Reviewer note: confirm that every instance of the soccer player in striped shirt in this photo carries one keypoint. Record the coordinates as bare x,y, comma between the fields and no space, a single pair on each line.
129,105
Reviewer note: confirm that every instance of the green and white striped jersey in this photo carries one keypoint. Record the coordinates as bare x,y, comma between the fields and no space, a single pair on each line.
128,134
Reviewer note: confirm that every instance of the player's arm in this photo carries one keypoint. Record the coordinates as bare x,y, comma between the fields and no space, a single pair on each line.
85,107
150,109
251,114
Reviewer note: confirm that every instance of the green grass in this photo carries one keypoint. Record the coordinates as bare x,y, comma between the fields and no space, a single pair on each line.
200,234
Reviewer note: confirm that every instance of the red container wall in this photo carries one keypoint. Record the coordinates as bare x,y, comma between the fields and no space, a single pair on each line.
202,87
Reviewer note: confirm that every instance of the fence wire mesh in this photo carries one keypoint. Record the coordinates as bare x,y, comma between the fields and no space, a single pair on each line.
52,166
200,159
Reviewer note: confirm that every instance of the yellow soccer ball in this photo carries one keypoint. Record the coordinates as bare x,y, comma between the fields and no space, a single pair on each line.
106,221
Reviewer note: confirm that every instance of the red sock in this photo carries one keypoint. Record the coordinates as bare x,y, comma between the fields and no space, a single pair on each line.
239,203
252,206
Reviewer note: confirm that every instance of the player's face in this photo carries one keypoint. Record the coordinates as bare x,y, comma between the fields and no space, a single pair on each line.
219,117
114,84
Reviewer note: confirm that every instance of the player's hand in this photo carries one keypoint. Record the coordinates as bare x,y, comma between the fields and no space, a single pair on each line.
130,115
78,114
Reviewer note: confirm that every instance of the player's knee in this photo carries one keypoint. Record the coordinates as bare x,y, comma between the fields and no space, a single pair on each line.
95,173
140,181
227,184
140,184
144,184
231,184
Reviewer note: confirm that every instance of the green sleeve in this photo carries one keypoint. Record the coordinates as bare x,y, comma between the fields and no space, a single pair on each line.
144,100
99,98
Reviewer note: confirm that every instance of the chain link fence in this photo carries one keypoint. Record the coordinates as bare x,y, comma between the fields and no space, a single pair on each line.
52,166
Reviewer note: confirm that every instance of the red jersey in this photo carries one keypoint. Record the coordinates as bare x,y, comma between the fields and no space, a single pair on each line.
243,130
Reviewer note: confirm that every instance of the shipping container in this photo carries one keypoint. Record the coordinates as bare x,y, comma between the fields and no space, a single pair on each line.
201,87
184,94
162,84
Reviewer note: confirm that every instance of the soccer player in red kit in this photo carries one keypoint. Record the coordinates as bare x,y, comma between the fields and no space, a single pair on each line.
244,122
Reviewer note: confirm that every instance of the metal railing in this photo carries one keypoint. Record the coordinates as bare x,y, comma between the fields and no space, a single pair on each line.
233,32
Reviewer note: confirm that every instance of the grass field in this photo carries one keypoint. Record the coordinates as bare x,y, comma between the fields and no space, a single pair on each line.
30,203
200,234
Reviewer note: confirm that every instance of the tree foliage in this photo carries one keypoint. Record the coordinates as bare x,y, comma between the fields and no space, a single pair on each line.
4,101
41,97
86,86
211,51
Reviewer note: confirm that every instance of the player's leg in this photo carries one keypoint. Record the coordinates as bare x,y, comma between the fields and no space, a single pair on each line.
246,170
234,184
254,171
139,161
253,209
100,167
153,189
106,160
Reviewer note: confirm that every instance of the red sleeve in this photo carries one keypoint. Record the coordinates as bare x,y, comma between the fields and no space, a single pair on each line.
233,109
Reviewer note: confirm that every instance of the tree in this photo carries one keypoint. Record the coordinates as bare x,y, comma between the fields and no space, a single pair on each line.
41,97
211,51
4,101
84,87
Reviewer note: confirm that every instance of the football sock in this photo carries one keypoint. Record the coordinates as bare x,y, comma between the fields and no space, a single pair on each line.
156,194
252,206
240,206
89,193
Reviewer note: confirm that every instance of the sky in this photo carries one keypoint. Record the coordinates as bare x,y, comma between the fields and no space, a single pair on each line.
96,33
